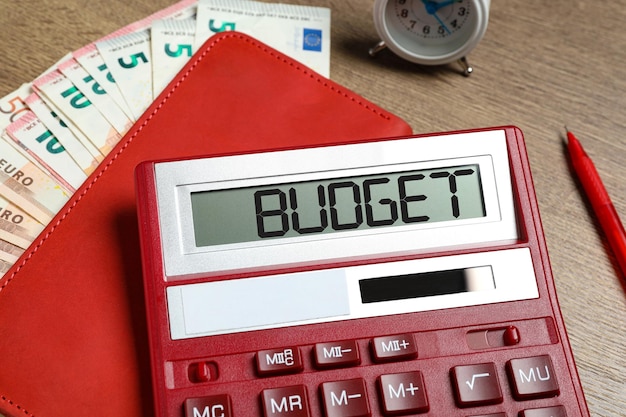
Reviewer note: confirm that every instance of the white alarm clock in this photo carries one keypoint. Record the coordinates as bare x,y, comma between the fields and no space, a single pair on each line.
431,32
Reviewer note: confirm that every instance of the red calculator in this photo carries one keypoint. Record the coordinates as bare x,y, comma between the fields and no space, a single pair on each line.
393,277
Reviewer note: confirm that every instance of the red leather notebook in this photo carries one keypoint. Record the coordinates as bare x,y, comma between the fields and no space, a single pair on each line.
72,320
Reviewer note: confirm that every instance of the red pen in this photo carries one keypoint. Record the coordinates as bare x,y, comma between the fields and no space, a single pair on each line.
599,199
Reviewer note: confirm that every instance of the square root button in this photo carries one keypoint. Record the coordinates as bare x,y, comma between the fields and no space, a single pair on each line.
476,385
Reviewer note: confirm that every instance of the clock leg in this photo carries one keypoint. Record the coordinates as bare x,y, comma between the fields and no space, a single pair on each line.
467,69
377,48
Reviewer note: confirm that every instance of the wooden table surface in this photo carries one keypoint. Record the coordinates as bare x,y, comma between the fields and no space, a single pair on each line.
541,65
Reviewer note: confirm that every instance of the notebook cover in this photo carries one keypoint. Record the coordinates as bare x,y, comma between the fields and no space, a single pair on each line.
73,336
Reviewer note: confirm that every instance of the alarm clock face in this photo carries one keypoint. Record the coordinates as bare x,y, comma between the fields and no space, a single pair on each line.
431,20
431,32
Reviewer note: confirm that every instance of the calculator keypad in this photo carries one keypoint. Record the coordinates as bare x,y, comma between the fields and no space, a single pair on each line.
395,393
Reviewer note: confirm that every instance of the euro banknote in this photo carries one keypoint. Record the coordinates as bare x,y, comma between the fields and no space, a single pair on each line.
56,129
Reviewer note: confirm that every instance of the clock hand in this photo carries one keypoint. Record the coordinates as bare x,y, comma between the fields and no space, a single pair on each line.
443,25
443,4
431,9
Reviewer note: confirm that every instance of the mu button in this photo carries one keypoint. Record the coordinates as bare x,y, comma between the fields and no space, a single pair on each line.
533,377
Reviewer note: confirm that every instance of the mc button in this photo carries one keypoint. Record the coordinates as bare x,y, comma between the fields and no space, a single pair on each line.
211,406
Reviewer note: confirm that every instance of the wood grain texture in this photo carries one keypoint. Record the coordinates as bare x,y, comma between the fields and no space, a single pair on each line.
542,65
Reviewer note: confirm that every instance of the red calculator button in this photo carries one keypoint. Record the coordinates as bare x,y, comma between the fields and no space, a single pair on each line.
279,361
285,402
212,406
403,393
476,385
558,411
491,415
337,354
394,348
533,377
345,398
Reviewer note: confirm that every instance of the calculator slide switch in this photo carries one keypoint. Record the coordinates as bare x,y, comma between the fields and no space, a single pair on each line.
493,338
200,372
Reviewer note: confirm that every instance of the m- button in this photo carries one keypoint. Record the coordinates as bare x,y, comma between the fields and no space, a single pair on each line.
345,398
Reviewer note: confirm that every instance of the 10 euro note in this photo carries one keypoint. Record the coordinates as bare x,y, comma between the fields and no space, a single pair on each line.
96,94
301,32
75,143
73,105
39,143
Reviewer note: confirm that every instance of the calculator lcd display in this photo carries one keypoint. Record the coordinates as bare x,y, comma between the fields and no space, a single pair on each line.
365,202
